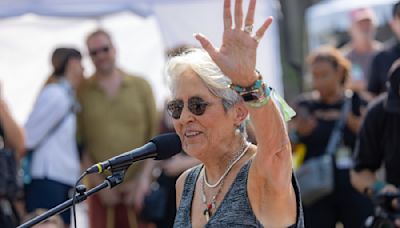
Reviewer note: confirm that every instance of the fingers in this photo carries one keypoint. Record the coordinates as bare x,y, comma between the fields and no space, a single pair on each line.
206,44
238,14
397,222
250,13
227,15
260,32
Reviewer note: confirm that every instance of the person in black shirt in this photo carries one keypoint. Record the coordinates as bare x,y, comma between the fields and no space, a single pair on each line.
384,59
317,113
379,142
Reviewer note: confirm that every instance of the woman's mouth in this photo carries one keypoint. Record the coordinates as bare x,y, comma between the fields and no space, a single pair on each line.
191,134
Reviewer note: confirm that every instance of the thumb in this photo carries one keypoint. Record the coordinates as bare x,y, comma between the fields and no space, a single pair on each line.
207,45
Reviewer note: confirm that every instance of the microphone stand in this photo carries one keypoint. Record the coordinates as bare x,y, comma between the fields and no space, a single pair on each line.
111,181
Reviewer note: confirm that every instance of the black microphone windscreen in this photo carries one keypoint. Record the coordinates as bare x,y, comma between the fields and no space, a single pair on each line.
167,145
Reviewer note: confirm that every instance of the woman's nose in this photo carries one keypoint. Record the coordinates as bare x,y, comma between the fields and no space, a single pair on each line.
186,115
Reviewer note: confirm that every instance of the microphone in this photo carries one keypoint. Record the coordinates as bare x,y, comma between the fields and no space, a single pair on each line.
160,147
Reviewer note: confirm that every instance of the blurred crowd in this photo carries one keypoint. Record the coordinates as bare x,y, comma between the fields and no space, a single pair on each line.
365,73
79,121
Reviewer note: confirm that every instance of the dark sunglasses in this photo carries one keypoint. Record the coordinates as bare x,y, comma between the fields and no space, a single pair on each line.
196,105
94,52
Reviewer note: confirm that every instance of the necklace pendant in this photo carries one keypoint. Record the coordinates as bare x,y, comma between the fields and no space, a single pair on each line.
207,214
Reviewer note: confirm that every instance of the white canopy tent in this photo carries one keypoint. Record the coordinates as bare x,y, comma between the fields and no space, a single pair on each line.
142,30
334,15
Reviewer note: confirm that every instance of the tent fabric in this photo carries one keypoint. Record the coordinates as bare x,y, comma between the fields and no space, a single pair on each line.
73,8
334,15
142,31
82,8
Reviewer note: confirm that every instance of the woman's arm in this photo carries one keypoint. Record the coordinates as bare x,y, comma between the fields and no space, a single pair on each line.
270,188
237,59
353,122
51,106
273,161
362,180
13,134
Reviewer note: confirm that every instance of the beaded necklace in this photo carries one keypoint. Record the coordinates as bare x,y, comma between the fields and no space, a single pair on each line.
220,183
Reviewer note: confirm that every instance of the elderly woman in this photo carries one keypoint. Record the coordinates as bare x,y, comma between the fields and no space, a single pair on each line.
238,184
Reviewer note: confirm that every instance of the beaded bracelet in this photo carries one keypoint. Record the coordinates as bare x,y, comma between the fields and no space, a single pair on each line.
259,94
255,95
257,85
262,100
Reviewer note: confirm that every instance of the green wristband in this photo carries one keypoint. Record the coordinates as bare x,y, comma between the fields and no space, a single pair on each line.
262,101
377,186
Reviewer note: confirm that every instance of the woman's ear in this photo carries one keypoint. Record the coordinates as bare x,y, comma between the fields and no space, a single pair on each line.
241,112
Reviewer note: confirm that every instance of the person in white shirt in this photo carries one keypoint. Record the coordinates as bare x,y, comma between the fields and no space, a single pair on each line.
51,135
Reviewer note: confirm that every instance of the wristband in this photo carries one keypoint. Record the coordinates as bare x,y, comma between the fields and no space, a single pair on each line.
255,95
377,186
259,94
262,100
256,85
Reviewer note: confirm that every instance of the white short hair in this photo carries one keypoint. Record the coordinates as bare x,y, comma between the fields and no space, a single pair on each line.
199,61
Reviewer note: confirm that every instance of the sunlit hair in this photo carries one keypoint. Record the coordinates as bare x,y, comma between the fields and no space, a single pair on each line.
332,56
200,62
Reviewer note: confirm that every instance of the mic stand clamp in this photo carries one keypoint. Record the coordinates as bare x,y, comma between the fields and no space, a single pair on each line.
116,178
111,181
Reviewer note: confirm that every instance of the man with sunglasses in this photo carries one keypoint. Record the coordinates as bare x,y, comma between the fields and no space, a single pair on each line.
118,114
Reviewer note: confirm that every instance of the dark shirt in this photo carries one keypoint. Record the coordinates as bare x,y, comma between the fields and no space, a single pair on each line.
379,141
380,67
317,141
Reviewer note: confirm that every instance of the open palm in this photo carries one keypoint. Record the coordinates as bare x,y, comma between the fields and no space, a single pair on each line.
237,55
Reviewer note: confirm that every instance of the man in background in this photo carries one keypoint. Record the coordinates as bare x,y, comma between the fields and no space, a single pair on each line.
378,143
118,114
361,48
384,59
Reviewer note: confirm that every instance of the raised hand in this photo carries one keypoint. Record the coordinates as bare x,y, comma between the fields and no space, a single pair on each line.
237,55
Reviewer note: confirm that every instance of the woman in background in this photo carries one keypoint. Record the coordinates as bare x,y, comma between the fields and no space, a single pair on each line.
51,134
317,113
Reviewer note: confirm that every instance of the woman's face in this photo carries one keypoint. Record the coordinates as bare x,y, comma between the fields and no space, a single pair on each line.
205,132
325,78
74,72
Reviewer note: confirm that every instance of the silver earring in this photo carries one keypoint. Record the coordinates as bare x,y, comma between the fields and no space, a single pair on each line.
237,131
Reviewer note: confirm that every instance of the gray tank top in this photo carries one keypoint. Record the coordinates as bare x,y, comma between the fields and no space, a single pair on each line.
235,210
